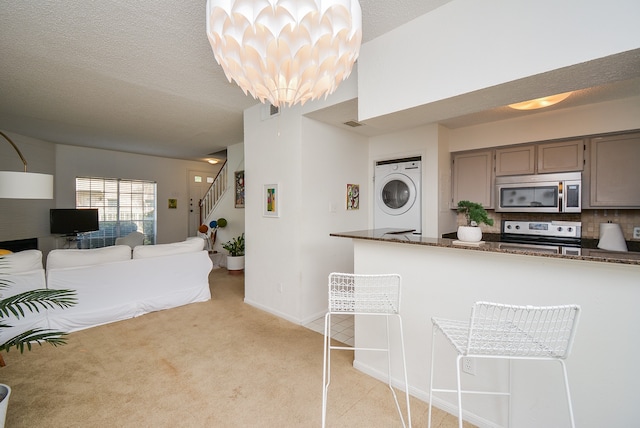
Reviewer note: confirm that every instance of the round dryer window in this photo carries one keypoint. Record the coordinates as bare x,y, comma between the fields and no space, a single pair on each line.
397,194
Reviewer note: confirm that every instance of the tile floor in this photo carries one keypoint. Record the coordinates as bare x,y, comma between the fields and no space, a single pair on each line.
341,328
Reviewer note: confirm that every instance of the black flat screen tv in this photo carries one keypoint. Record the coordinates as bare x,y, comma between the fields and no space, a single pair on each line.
68,221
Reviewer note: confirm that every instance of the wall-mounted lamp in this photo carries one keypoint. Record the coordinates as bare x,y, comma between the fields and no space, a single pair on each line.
24,185
540,102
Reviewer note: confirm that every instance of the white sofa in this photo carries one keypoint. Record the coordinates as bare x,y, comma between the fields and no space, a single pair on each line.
22,271
111,283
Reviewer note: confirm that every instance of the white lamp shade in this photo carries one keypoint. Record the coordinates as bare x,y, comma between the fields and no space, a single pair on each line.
285,51
25,185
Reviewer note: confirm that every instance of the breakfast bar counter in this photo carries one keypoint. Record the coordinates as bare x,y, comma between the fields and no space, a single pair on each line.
443,279
491,243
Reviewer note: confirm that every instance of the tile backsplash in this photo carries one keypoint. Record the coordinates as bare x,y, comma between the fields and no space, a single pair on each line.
591,219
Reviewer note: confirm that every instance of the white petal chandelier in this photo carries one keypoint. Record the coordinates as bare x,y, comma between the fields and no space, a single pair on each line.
285,51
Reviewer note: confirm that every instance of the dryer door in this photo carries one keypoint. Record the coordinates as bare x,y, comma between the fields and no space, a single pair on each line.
396,194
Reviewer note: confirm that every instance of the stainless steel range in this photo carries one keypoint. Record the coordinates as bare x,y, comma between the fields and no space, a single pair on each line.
556,237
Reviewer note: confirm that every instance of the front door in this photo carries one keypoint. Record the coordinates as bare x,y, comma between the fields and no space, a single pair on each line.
199,183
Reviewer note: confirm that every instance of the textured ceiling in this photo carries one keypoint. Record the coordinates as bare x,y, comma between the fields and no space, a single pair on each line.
139,76
136,76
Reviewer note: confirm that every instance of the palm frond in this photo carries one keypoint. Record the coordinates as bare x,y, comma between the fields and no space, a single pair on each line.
34,336
34,300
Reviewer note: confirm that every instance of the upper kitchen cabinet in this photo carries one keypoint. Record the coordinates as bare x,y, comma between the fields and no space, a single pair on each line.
472,177
517,160
563,156
615,171
540,158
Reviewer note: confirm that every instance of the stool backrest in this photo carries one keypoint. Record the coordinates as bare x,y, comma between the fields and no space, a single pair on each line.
527,331
355,293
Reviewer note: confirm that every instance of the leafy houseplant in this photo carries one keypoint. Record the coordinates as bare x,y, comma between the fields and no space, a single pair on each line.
474,215
33,301
235,259
235,247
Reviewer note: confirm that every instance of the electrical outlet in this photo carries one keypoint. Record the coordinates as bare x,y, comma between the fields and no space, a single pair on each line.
636,233
469,366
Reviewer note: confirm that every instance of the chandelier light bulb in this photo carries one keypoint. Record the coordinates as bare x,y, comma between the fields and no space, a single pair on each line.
285,51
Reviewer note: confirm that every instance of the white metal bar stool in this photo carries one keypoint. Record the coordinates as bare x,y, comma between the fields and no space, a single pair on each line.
364,295
508,332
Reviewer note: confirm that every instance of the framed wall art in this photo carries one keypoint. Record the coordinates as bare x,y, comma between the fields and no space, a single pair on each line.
353,196
239,180
271,200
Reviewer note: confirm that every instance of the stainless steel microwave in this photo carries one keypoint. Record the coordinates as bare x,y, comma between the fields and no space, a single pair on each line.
541,193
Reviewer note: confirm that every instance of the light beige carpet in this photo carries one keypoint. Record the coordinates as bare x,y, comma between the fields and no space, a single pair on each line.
220,363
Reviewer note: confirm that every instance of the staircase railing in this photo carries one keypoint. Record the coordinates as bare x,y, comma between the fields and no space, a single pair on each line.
210,200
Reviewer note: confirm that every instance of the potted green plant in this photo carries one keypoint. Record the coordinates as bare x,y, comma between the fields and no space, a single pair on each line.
474,215
235,259
15,306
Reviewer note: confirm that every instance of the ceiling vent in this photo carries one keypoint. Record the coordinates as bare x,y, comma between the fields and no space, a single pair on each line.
353,123
269,111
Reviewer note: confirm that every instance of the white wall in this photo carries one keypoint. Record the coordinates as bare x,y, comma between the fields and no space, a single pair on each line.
603,373
422,141
226,207
610,116
171,176
467,45
331,159
289,258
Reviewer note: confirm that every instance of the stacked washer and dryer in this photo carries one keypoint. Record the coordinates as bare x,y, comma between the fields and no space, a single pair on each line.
398,201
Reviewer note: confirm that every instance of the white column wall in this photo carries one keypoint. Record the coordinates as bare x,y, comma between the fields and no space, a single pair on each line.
289,258
331,158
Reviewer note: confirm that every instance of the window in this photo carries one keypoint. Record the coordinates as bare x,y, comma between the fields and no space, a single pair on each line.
123,207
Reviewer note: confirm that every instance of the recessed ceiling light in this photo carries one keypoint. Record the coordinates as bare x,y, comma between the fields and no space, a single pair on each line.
213,161
540,102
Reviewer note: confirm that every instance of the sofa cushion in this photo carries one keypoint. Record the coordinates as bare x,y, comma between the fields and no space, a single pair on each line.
189,245
21,261
73,258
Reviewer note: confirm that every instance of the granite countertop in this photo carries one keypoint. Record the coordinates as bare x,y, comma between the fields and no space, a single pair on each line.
491,243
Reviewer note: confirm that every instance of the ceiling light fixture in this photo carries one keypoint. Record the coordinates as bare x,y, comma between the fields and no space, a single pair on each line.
285,51
24,185
540,102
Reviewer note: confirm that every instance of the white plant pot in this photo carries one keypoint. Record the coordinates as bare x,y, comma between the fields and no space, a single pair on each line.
5,392
235,263
469,233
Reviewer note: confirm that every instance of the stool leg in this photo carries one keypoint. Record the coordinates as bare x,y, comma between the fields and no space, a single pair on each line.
458,363
326,366
566,387
433,353
404,368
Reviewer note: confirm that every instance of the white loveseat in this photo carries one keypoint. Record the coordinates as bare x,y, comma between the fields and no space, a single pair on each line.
112,283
